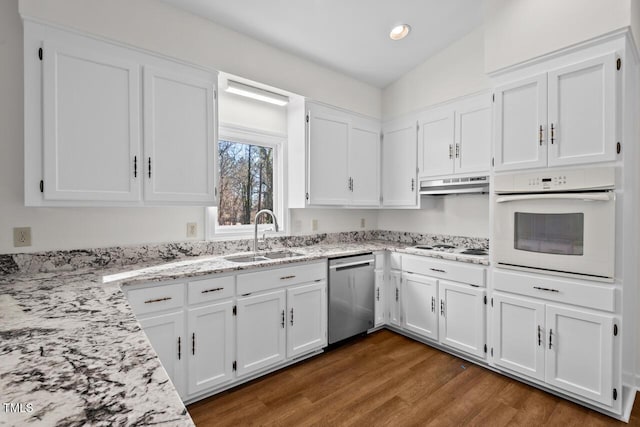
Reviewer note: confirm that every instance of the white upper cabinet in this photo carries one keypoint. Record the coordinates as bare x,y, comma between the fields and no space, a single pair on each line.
328,139
364,162
455,139
343,158
91,125
179,138
563,117
582,112
85,144
436,142
399,180
473,135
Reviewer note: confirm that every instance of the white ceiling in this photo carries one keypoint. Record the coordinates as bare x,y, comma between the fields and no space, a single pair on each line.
349,36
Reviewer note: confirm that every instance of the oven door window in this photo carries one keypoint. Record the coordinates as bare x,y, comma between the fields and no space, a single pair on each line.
557,234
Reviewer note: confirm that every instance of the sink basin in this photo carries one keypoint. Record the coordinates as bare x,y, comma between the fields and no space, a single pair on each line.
263,256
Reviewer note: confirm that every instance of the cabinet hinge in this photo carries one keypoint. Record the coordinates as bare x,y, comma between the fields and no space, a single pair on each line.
491,301
493,161
235,311
235,365
493,97
615,394
618,63
307,118
215,95
417,127
306,196
491,351
485,303
615,330
40,54
41,186
618,147
215,191
381,136
485,348
381,199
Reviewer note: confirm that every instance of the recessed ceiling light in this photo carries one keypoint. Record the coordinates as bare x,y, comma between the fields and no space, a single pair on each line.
399,32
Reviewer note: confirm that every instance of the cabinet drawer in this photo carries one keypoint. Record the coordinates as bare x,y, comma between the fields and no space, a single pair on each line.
568,291
211,289
156,298
270,279
450,270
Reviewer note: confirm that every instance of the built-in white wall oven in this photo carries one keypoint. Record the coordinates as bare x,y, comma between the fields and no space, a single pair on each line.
559,222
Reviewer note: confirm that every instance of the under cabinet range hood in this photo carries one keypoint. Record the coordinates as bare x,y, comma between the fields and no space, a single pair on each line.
474,184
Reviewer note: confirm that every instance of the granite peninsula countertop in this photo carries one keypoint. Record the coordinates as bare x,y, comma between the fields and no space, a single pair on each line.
72,351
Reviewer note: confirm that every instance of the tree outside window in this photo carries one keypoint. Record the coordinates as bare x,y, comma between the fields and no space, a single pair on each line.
246,182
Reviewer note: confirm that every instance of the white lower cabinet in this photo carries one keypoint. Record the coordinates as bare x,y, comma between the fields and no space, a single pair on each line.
261,331
420,294
210,340
568,348
393,298
166,334
307,318
462,317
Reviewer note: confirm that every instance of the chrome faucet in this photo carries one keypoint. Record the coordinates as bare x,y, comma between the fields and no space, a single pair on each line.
255,236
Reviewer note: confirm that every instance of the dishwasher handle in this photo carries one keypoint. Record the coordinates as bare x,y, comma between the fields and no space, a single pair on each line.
349,266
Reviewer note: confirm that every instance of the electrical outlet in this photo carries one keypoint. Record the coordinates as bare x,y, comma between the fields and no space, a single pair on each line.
362,222
21,236
314,225
192,229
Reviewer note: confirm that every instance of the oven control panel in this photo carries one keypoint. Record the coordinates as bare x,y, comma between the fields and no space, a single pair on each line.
557,180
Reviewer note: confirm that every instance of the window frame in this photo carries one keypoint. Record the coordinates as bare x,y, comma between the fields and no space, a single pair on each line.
273,140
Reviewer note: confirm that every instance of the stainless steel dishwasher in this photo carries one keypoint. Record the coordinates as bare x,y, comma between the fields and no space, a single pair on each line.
351,296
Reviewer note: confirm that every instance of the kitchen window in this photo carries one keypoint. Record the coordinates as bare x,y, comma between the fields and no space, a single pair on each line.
250,179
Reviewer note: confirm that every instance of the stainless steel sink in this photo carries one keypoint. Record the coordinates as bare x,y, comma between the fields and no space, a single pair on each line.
263,256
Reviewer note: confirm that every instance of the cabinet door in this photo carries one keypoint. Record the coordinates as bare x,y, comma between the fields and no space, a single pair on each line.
399,186
419,301
393,298
328,139
364,163
210,344
519,335
582,112
260,331
166,334
520,119
91,125
379,306
179,136
436,143
473,136
462,317
307,318
579,355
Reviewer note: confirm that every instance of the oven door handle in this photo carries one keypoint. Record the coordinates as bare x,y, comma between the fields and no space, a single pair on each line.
587,197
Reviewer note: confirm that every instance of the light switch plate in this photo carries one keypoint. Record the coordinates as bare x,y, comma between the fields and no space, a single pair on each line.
362,222
314,225
21,236
192,229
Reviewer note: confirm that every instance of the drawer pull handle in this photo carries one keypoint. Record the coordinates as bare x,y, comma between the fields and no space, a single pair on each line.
151,301
433,304
212,290
545,289
287,277
438,270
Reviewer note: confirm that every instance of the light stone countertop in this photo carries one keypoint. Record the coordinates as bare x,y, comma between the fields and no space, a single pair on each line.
72,348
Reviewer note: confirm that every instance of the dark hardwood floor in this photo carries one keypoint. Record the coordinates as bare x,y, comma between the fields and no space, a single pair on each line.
387,379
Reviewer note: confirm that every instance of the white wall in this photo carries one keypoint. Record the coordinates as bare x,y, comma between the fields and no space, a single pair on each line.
155,26
517,30
332,220
461,215
455,71
159,27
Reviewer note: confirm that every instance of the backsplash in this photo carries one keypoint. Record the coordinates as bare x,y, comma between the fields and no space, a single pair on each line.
70,260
